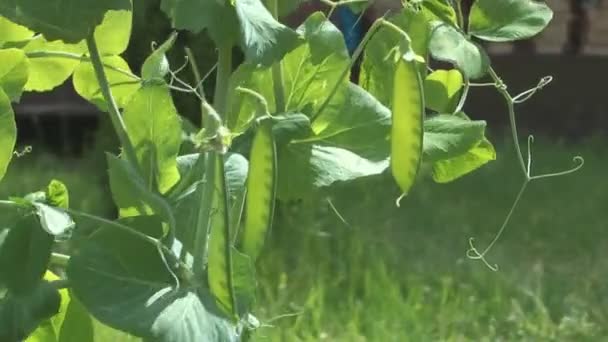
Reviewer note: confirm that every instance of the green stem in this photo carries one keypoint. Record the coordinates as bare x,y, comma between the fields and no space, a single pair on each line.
502,89
59,260
77,57
224,70
115,116
278,83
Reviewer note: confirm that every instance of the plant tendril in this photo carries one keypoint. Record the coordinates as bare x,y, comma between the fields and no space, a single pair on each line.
526,165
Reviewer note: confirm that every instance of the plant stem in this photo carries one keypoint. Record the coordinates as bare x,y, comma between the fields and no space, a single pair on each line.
69,55
502,89
224,70
115,116
278,83
59,260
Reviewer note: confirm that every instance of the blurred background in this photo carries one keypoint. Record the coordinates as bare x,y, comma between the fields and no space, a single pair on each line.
352,266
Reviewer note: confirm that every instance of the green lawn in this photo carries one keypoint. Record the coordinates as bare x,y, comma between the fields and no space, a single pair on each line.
400,274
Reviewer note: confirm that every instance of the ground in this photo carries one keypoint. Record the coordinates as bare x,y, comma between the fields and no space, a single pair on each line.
382,273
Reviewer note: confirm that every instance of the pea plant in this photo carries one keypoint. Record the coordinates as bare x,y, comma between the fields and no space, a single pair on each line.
195,204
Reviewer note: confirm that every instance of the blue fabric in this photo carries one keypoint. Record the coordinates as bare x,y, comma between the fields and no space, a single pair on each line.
350,26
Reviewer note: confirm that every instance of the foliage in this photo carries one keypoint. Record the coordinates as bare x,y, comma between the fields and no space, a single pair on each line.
178,264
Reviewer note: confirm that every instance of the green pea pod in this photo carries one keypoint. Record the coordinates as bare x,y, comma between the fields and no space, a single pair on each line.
261,188
407,127
220,253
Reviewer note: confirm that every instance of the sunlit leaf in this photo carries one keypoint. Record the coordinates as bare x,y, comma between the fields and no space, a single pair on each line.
449,136
442,90
8,132
447,170
14,72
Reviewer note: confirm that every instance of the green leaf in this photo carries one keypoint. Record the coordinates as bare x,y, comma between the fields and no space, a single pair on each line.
113,35
445,171
21,313
131,194
441,10
310,71
290,126
350,140
378,69
24,253
156,66
77,325
356,121
11,32
154,129
304,167
122,86
263,39
14,72
47,72
508,20
123,282
69,20
448,44
8,132
449,136
442,90
49,330
217,17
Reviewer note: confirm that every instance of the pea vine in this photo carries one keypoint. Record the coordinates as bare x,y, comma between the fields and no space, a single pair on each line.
196,201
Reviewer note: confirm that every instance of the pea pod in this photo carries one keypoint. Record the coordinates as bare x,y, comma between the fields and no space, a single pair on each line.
220,246
407,126
261,189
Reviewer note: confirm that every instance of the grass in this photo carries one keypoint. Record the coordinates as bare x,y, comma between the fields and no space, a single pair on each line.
400,274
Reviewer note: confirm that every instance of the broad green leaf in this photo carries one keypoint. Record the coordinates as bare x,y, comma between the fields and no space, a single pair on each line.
131,194
378,68
508,20
114,33
14,72
448,44
263,39
68,20
11,32
356,121
49,330
447,170
122,86
218,17
441,10
261,191
22,313
442,90
308,75
54,221
290,126
77,325
350,140
124,283
48,72
304,167
57,195
8,132
449,136
24,253
406,129
154,129
156,66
